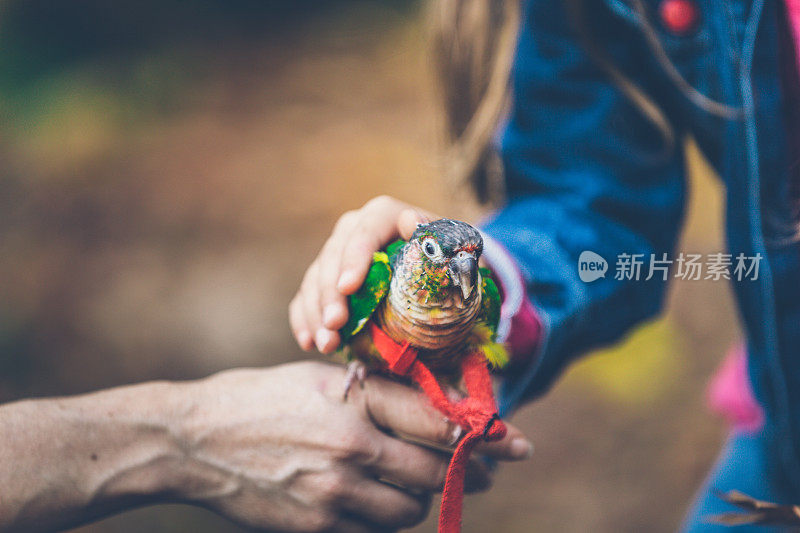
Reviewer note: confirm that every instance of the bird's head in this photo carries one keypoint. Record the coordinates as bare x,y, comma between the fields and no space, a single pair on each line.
445,253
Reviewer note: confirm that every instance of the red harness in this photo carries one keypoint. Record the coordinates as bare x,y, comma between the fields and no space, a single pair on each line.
476,414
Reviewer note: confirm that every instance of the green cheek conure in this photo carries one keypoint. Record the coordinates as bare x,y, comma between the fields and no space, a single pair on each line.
430,293
427,311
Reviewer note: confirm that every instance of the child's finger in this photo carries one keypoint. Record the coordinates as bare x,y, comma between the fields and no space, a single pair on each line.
410,218
310,297
327,340
356,260
377,226
298,324
333,304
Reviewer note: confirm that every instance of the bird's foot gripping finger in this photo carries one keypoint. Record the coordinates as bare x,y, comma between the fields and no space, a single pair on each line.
356,371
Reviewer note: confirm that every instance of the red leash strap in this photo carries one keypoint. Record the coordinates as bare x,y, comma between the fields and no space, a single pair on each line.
476,414
398,357
453,494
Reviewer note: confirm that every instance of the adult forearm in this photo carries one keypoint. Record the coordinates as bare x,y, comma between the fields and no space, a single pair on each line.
274,448
65,461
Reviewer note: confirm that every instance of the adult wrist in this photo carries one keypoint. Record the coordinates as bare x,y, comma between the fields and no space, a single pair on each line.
194,477
71,460
146,451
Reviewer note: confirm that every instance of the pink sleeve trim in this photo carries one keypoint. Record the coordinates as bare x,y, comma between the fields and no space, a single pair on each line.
519,327
731,395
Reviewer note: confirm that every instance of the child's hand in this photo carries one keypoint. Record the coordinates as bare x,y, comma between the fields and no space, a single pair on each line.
320,308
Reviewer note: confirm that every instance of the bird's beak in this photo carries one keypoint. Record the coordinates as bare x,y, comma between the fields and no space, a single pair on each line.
464,272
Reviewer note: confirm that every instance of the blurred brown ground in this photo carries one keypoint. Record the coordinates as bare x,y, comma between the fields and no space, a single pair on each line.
155,221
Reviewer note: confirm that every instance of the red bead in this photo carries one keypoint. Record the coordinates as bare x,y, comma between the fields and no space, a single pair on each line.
679,16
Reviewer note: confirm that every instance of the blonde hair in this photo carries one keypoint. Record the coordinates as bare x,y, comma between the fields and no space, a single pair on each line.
474,44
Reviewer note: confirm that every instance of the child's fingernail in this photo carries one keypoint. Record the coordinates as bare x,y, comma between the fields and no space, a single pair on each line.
304,339
521,448
324,339
331,314
347,279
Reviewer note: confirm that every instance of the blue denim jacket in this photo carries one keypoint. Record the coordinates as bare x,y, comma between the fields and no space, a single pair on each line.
585,170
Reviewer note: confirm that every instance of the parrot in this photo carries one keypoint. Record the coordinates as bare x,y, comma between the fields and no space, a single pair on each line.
428,312
430,293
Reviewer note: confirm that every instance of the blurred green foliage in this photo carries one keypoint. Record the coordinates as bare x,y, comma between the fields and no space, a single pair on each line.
37,35
56,55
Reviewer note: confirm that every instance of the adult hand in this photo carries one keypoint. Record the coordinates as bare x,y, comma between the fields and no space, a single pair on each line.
279,449
320,307
272,448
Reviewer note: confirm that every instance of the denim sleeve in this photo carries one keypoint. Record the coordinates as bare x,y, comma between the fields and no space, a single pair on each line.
585,170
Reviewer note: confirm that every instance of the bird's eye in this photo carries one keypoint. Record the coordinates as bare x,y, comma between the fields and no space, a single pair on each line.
431,249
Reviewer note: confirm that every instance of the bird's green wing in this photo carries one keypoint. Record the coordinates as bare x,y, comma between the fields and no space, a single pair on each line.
364,302
486,328
490,301
394,248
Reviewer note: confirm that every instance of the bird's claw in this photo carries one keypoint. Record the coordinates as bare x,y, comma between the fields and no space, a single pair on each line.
356,371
